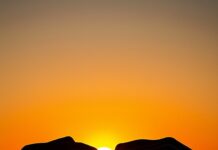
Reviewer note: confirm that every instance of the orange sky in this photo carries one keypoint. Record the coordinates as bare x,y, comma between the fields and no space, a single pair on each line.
108,72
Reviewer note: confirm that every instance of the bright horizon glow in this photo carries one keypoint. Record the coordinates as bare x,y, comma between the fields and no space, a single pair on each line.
104,148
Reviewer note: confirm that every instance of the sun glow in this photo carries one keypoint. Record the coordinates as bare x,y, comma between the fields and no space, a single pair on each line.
104,148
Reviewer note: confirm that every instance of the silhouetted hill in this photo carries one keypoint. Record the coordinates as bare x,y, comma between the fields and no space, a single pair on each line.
161,144
66,143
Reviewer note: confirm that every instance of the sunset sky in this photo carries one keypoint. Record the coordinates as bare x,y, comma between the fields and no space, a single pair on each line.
108,71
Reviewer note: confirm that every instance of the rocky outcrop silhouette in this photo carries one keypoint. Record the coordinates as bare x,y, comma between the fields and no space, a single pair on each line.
66,143
161,144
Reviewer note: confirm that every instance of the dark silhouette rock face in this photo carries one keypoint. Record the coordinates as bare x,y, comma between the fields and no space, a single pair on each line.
66,143
162,144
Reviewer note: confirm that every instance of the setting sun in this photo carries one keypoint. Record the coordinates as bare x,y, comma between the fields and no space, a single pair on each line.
104,148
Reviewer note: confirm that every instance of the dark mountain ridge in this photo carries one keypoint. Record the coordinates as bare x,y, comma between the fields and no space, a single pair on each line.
68,143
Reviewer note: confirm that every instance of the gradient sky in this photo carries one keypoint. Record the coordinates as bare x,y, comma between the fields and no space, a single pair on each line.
108,71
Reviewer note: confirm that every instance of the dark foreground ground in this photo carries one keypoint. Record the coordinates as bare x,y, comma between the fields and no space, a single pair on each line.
68,143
